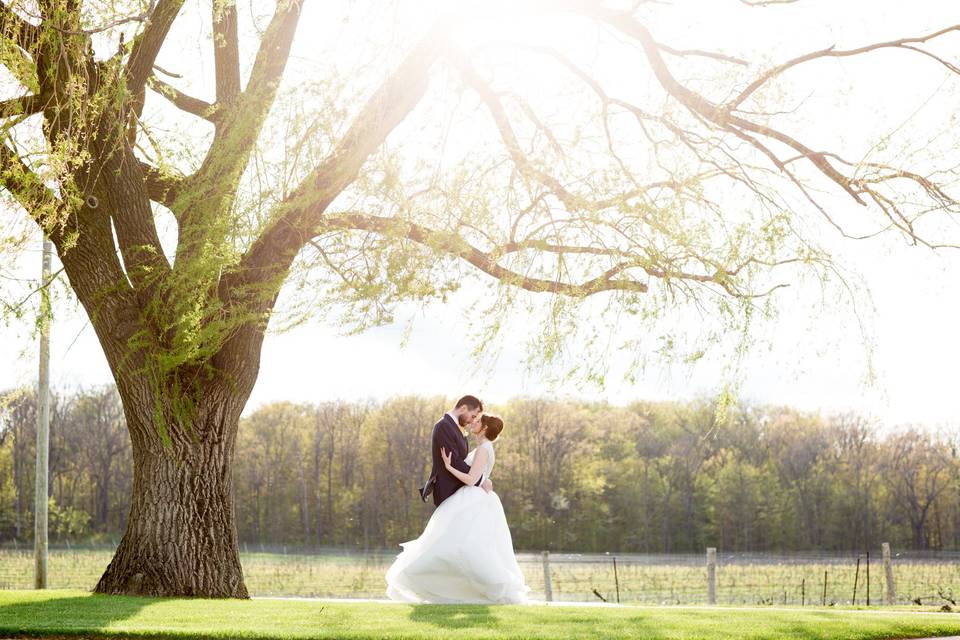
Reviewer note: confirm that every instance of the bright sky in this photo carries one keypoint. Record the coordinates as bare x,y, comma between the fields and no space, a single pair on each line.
818,361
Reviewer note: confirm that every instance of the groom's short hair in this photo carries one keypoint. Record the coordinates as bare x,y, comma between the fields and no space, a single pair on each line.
471,402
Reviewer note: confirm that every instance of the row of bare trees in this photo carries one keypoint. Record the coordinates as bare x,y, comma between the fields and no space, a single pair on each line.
91,470
649,477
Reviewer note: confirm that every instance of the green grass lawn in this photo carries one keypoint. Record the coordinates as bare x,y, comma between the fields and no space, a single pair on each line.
77,613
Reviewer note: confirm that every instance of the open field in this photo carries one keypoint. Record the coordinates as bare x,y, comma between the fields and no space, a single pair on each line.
667,579
36,614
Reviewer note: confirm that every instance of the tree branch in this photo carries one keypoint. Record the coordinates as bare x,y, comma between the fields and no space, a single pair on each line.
832,52
716,114
251,107
89,258
578,204
239,123
114,188
302,211
161,187
226,51
195,106
683,53
147,44
722,277
298,217
454,245
570,200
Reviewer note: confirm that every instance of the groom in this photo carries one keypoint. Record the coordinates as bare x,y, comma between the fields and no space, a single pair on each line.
447,434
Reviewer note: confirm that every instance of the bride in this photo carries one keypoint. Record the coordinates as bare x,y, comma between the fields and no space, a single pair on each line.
465,553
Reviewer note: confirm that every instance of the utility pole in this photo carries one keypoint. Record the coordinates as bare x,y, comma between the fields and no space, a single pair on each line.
43,427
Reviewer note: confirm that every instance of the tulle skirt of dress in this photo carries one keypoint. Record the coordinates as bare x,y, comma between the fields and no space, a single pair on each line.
464,555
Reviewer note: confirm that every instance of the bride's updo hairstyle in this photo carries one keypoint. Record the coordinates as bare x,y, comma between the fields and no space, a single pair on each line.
493,425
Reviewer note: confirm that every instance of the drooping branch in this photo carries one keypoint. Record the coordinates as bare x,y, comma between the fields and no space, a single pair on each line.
21,105
721,277
660,266
687,138
571,200
14,28
614,277
725,119
454,245
23,184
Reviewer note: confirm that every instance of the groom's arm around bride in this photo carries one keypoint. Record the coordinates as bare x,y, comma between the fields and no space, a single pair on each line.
447,435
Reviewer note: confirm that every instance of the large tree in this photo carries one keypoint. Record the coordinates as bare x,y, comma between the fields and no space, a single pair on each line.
674,176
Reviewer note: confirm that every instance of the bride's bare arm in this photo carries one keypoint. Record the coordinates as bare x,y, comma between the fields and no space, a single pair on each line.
476,469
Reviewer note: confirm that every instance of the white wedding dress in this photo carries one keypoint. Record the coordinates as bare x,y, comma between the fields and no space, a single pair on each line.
464,555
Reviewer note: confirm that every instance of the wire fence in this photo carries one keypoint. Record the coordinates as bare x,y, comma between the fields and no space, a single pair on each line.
799,578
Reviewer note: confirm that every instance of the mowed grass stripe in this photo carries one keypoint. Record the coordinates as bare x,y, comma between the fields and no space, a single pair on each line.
39,613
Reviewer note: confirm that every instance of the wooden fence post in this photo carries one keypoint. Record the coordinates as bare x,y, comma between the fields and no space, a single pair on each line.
868,578
711,575
616,578
547,587
856,576
888,570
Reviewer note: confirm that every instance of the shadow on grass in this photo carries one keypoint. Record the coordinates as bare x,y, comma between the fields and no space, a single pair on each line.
454,617
67,615
566,622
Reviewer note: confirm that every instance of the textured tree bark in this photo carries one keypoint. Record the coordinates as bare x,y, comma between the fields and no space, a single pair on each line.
181,537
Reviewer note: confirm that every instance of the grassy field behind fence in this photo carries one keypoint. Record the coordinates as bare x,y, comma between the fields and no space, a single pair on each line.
642,579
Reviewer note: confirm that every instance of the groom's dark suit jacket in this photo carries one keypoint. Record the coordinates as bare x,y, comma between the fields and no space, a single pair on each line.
446,434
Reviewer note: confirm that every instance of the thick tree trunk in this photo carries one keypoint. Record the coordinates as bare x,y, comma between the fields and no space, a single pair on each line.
181,536
919,535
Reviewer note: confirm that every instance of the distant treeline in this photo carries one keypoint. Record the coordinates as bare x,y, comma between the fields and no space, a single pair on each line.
573,476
